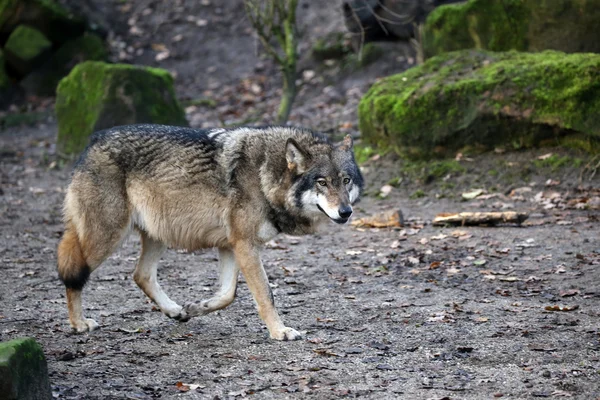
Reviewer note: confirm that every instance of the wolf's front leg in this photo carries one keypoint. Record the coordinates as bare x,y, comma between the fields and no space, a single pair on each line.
229,272
248,259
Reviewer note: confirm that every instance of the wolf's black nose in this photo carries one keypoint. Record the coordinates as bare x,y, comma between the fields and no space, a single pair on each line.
345,212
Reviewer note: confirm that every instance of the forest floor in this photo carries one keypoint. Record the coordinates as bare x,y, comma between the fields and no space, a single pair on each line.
413,312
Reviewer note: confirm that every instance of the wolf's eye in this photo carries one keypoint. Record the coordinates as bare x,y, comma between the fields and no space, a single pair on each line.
346,181
322,182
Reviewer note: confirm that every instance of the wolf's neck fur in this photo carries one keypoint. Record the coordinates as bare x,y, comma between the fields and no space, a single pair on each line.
282,212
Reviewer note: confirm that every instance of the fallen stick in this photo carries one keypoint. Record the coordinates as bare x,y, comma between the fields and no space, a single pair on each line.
480,218
386,219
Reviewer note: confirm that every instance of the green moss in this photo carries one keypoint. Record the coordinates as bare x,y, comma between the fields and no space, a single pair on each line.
369,53
362,153
27,43
417,194
23,371
331,46
395,182
589,145
501,25
480,98
97,96
556,162
439,169
429,171
497,25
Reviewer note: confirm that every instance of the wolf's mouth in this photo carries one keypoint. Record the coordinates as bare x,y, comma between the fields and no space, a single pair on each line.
336,220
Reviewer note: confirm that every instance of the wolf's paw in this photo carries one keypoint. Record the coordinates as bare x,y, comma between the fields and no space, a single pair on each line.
179,313
286,334
85,325
198,309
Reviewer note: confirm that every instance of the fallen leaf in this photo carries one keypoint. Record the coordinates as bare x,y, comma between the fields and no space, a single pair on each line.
561,393
326,319
385,191
353,252
439,237
163,55
434,265
182,387
137,330
509,279
472,194
159,47
569,293
542,347
413,260
327,352
561,308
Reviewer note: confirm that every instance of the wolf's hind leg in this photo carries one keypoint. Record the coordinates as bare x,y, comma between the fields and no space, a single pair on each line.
146,277
77,258
229,272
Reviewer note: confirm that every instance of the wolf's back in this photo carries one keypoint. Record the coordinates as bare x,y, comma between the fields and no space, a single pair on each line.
151,149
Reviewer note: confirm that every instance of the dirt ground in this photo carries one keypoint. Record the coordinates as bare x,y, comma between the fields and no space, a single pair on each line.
414,312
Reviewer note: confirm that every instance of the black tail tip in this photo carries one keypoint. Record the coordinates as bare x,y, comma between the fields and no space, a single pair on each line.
77,279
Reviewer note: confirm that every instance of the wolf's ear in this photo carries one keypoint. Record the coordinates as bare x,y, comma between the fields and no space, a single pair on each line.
297,158
347,143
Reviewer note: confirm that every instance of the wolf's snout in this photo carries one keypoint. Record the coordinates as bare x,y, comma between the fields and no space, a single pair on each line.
345,212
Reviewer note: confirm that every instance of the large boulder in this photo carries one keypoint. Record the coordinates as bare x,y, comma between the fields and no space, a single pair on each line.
55,22
43,81
23,371
26,48
482,99
525,25
97,95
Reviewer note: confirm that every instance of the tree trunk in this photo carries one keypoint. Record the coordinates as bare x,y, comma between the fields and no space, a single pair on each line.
287,96
288,68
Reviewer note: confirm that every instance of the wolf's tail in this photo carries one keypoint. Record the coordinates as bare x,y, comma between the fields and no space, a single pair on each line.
73,269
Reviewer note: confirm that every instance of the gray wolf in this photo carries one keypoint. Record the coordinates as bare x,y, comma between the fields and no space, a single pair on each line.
233,189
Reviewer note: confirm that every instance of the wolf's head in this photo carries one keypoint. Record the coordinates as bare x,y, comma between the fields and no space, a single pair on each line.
326,179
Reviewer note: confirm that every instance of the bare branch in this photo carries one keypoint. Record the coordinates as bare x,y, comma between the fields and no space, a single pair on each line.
274,22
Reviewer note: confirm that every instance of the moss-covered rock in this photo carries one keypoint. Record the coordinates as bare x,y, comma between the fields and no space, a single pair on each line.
26,48
97,95
23,371
501,25
482,99
43,81
53,20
